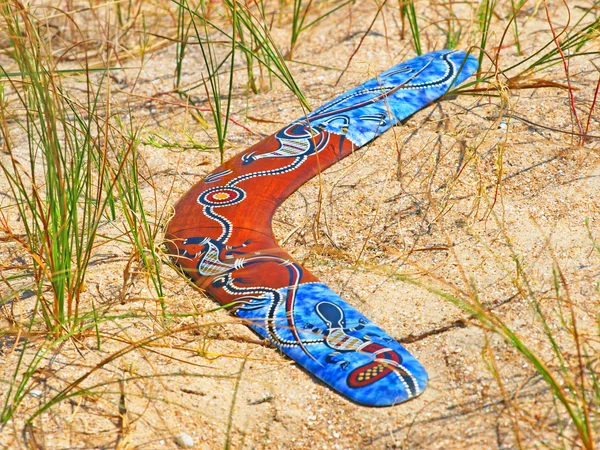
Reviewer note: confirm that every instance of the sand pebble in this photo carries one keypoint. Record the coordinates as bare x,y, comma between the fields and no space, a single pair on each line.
184,440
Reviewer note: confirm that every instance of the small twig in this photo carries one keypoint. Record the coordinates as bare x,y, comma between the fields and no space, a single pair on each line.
379,9
566,66
587,125
266,399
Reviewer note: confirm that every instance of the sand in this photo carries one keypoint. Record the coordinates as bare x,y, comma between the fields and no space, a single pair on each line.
475,194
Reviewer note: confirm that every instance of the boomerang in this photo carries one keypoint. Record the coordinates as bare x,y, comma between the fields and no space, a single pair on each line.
222,238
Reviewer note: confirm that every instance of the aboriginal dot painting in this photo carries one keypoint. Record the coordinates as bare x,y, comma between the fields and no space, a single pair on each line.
221,234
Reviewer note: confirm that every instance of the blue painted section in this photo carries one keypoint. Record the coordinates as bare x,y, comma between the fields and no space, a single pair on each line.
335,369
418,82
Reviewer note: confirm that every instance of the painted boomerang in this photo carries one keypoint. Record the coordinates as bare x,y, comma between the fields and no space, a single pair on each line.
221,234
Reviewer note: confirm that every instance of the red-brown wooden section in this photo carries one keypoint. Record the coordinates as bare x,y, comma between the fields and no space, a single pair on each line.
251,218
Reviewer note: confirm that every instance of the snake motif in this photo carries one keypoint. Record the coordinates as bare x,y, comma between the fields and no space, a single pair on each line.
221,234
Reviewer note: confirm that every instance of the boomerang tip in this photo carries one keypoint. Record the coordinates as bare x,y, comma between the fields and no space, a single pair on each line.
340,346
382,102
